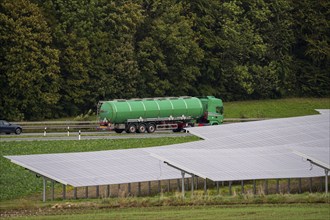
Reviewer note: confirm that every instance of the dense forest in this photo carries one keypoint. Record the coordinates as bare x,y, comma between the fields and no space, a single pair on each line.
58,58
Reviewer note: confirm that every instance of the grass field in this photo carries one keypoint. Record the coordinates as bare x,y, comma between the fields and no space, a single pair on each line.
277,108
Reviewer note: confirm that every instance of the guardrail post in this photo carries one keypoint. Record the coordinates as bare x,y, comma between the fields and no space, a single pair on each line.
68,131
79,137
45,131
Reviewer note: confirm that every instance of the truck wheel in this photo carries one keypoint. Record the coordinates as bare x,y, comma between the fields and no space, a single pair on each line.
141,128
151,128
118,131
131,128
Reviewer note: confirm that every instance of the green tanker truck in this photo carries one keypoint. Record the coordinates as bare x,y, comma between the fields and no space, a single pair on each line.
150,114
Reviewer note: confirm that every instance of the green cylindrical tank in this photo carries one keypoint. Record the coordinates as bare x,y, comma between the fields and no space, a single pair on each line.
119,111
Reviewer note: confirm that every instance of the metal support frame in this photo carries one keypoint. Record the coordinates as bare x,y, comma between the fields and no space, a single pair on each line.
289,187
218,189
205,186
326,172
159,186
169,186
277,186
299,185
254,187
319,164
183,172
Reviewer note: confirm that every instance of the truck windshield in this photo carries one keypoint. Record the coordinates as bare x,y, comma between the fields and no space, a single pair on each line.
219,110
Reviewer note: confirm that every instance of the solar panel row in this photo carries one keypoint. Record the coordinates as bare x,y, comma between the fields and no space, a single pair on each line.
249,150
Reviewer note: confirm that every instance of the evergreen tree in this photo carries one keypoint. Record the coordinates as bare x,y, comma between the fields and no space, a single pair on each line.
168,52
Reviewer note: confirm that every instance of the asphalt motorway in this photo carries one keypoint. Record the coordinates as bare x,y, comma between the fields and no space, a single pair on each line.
85,136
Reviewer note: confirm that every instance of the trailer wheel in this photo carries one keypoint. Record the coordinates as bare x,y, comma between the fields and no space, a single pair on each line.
141,128
151,128
131,128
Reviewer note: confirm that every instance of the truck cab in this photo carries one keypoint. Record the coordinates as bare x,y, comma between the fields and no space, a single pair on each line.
213,110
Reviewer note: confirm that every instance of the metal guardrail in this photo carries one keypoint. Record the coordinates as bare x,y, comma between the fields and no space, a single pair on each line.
59,125
63,125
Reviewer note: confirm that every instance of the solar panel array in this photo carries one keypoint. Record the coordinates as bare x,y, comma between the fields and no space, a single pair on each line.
254,150
249,150
98,168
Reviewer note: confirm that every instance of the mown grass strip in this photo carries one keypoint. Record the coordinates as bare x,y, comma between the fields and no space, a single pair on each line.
246,211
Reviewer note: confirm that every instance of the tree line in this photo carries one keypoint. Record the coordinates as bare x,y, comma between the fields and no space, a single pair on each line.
60,57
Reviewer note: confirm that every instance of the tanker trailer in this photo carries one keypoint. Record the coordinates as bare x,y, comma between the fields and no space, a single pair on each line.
176,113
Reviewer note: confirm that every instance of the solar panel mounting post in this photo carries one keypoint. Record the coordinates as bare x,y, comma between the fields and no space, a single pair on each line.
182,174
86,192
192,184
326,180
129,188
149,188
53,182
97,191
108,191
139,188
44,189
230,192
64,191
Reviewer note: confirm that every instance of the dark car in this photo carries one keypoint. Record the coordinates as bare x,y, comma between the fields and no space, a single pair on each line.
6,127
